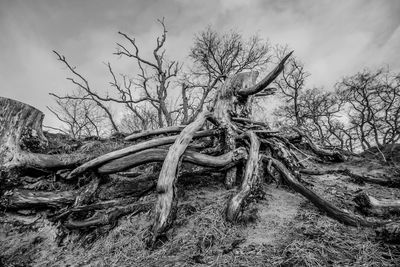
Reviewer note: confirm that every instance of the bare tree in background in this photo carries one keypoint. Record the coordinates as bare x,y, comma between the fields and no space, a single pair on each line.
81,118
373,100
146,119
215,57
155,77
290,85
149,88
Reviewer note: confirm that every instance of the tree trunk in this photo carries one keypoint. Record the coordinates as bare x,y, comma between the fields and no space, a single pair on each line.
21,136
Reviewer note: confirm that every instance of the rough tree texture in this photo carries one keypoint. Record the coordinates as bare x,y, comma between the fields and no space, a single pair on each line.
166,203
21,135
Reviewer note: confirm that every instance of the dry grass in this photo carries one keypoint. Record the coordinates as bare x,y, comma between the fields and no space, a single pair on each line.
317,240
201,237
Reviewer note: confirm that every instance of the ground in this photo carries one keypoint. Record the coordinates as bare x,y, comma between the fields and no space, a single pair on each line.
280,229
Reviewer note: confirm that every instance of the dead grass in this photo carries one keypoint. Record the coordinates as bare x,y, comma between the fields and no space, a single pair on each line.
299,235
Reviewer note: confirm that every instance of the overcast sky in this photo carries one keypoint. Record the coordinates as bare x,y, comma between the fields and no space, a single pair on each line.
332,38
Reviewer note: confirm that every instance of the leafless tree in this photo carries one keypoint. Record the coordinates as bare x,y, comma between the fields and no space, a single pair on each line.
82,118
215,57
86,94
373,100
290,84
150,87
155,77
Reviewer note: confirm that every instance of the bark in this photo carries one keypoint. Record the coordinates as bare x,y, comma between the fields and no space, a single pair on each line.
262,85
165,207
26,199
228,103
249,181
21,136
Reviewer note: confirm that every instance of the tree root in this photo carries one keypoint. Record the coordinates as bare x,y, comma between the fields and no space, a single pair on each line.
251,177
329,208
372,206
132,149
108,217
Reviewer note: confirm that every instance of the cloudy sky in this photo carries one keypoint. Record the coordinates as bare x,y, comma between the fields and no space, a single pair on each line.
332,38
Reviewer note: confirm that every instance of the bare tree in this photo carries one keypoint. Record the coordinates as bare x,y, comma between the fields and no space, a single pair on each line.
215,57
86,94
155,76
373,100
82,118
146,119
290,85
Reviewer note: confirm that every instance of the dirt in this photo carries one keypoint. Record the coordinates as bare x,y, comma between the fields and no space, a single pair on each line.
275,216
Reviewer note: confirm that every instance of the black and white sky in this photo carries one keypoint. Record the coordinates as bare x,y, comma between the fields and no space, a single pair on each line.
333,38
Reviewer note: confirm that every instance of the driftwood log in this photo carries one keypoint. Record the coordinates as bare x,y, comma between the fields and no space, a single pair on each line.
102,188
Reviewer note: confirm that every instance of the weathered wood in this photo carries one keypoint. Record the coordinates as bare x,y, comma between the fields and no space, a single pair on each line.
158,155
21,136
373,206
166,201
250,178
262,85
227,105
147,133
25,199
131,149
108,217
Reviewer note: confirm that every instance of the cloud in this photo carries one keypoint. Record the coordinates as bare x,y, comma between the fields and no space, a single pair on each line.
332,38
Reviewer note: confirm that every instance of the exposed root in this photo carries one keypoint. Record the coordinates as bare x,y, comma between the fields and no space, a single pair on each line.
132,149
166,202
329,208
250,178
108,217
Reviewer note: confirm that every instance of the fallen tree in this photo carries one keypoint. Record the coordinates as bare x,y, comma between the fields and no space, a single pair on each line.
109,186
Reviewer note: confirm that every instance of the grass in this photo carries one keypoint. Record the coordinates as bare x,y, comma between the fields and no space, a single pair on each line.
201,237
